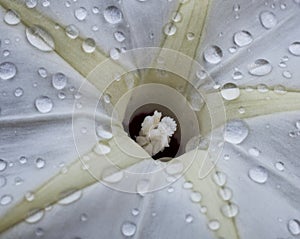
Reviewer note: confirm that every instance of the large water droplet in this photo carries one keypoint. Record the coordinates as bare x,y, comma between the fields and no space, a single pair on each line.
268,19
113,15
12,18
40,38
6,199
230,91
89,45
43,104
59,81
128,229
72,31
80,13
258,174
230,210
242,38
294,48
7,70
236,131
70,197
213,54
3,165
294,227
35,216
260,67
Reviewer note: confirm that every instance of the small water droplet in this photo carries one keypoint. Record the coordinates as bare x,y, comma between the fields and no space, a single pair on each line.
89,45
262,88
189,218
230,210
170,29
104,131
2,181
236,7
70,197
260,67
40,163
40,38
287,74
114,53
18,92
112,175
195,197
236,131
190,36
219,178
258,174
294,227
188,185
237,75
83,217
59,81
213,54
7,70
268,19
11,18
280,89
254,152
225,193
294,48
214,225
119,36
3,165
242,38
113,15
80,13
31,3
279,166
128,229
135,212
29,196
230,91
102,148
72,31
42,72
6,199
39,232
43,104
176,17
35,216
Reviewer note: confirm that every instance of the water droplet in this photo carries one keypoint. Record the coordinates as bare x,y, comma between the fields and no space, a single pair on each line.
280,89
279,166
40,163
3,165
260,67
213,54
142,187
43,104
230,210
262,88
294,48
298,124
119,36
176,17
197,142
102,148
230,91
242,38
61,95
189,218
7,70
35,216
80,13
214,225
6,199
40,38
258,174
113,15
294,227
23,160
236,7
70,197
254,152
59,81
112,175
170,29
114,53
237,75
190,36
42,72
219,178
287,74
39,232
104,132
195,197
135,211
72,31
174,167
2,181
31,3
18,92
29,196
89,45
83,217
236,131
12,18
225,193
128,229
188,185
268,19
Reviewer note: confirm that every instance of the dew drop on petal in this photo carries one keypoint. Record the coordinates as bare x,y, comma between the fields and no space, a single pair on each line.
7,70
113,15
102,148
3,165
225,193
89,45
72,31
230,91
267,19
189,218
258,174
40,38
2,181
242,38
236,131
80,13
104,132
70,197
279,166
31,3
294,48
170,29
59,81
11,18
119,36
18,92
214,225
135,211
219,178
6,199
43,104
195,197
40,163
260,67
213,54
112,175
294,227
35,217
230,210
128,229
254,152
